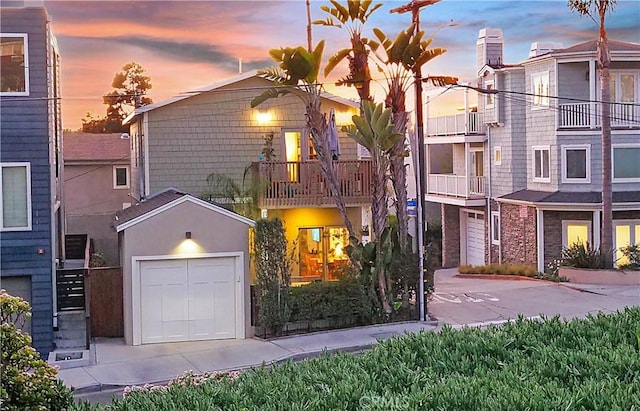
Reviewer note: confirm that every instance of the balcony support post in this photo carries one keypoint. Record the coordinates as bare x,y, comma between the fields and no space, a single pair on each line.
467,159
593,77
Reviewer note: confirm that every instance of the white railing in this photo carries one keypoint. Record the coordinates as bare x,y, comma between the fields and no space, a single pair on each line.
458,124
577,115
456,186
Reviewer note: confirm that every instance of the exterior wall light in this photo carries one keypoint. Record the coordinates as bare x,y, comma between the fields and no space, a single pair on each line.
263,117
187,235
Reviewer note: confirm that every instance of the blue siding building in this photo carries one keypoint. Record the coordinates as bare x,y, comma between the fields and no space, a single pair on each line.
31,224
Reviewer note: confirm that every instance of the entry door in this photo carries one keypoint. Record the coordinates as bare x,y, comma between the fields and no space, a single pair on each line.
187,300
475,239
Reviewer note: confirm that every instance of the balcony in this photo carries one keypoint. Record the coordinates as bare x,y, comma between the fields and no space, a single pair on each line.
469,123
456,186
301,184
587,115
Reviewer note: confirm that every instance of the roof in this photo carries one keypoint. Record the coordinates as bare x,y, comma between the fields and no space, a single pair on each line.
87,146
162,201
565,197
592,46
220,84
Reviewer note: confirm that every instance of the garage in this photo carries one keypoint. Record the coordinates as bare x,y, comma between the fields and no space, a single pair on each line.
185,269
187,300
475,238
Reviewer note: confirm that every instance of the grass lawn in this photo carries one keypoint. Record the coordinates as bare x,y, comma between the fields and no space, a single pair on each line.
587,364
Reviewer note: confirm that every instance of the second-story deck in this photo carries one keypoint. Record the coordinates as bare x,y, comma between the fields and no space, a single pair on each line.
588,115
302,184
469,123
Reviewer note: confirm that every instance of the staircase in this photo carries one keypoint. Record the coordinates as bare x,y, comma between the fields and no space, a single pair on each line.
72,331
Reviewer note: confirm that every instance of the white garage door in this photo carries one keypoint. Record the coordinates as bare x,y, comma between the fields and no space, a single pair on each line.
475,239
187,300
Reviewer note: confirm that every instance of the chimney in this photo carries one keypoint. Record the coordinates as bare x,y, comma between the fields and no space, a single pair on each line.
490,47
539,48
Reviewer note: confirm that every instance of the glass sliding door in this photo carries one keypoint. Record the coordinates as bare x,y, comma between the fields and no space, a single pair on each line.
311,253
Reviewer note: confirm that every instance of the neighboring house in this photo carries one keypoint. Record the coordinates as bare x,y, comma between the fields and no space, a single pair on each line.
31,217
97,183
522,177
181,141
185,270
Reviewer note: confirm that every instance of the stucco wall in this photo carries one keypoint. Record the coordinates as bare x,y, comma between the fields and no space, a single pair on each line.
162,235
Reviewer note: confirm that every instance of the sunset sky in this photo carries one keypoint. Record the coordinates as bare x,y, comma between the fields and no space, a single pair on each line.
188,44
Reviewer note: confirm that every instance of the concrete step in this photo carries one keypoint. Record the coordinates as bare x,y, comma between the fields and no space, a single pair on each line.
70,334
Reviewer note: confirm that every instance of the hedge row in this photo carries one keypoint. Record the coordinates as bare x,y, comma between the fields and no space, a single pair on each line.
592,363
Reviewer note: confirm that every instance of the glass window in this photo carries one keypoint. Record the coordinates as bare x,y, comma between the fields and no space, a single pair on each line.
495,227
576,163
311,249
16,192
576,232
626,163
13,65
120,177
625,233
497,156
490,96
540,87
541,164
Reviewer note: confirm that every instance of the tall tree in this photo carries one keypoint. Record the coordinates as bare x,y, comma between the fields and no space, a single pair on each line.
375,131
597,11
130,86
398,60
353,16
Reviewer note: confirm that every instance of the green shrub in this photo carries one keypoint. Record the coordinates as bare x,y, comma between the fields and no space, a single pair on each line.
500,269
331,300
581,255
28,382
549,364
632,253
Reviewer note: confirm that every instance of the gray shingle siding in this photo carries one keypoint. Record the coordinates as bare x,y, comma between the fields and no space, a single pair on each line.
24,131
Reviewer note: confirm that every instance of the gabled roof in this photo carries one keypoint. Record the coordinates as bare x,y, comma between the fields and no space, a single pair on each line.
218,85
95,147
165,200
592,46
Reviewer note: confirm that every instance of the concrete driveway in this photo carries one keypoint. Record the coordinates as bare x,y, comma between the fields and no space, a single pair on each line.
457,301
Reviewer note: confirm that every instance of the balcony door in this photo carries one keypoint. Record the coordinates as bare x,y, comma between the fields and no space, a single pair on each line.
476,172
297,148
322,252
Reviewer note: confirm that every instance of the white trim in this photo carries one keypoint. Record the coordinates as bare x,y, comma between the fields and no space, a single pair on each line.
566,223
497,151
613,166
178,201
28,227
563,162
145,160
26,65
540,239
115,177
596,228
495,241
541,179
135,288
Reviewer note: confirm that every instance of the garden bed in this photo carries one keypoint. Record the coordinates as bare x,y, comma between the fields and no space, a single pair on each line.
603,277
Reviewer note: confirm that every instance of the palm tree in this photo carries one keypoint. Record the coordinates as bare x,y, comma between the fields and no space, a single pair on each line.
353,16
400,59
375,131
599,9
297,73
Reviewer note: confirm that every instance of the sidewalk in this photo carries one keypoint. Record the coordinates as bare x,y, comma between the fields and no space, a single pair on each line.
118,365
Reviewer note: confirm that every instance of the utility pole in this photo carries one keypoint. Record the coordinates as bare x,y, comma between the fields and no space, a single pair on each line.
309,45
414,7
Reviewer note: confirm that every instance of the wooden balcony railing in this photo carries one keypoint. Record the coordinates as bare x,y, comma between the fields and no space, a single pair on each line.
456,186
582,115
301,184
458,124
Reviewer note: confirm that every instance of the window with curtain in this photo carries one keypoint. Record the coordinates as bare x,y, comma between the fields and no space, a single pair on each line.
16,193
14,78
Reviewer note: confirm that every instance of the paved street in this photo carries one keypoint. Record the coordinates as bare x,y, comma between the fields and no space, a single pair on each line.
458,301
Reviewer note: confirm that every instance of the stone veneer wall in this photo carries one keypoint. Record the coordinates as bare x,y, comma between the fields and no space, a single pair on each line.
450,235
518,231
553,231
